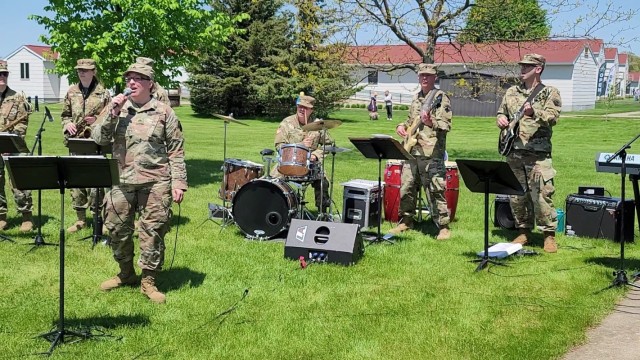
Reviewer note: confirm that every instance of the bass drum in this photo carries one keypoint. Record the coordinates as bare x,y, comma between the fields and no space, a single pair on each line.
263,208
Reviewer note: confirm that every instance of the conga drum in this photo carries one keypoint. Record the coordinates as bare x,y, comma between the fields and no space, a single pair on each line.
392,182
452,188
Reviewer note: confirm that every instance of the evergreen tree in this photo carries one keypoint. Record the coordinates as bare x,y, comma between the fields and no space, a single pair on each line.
505,20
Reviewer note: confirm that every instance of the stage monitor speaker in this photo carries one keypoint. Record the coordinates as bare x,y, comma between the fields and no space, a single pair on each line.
322,241
599,217
502,215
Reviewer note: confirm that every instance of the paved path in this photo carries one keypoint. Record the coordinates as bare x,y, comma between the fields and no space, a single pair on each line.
617,337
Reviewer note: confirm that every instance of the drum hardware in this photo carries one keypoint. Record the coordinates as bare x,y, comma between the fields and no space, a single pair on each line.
227,218
266,157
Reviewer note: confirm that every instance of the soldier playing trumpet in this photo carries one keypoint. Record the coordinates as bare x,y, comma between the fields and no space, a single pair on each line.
83,102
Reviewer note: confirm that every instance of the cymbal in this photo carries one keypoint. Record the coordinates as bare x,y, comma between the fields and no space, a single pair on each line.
230,119
335,149
321,125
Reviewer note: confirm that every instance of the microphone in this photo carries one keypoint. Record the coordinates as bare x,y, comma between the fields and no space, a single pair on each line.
126,92
47,113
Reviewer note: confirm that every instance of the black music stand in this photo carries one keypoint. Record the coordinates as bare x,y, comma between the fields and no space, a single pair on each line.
495,177
620,274
380,148
90,147
10,144
64,172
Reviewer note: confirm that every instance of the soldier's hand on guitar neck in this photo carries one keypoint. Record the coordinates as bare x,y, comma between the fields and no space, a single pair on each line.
401,131
502,121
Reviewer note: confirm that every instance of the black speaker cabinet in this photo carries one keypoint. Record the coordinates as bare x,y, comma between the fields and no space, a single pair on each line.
599,217
502,215
323,241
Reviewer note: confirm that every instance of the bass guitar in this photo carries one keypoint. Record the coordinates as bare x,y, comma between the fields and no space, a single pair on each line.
412,133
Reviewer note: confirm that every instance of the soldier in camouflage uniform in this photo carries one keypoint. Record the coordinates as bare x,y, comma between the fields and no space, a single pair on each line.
82,104
149,147
13,107
430,111
530,158
160,93
290,132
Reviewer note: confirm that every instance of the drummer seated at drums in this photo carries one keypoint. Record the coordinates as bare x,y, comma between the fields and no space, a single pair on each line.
300,152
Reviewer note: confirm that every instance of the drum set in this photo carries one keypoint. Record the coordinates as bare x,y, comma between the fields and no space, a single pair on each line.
262,205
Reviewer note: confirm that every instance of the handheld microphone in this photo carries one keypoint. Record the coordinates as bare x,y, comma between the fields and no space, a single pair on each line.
48,114
126,92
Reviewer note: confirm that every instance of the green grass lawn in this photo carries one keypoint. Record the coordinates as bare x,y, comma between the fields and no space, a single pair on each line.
417,299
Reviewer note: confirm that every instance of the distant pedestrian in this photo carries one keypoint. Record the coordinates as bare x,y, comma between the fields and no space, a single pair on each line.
373,107
636,94
388,103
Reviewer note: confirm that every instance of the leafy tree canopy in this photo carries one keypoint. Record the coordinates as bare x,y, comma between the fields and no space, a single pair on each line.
115,32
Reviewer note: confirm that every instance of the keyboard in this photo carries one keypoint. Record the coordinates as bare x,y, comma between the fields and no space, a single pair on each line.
632,164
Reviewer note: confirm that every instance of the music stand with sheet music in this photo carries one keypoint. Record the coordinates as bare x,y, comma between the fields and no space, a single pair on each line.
380,147
10,144
90,147
495,177
62,172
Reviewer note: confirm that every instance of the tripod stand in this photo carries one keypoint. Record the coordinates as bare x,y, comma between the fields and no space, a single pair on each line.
227,217
488,177
89,147
51,172
380,148
620,274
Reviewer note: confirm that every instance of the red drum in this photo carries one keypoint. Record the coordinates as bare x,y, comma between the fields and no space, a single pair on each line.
264,208
452,189
236,174
392,182
293,160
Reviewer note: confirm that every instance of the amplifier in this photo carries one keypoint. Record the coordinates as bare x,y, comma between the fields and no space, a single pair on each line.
502,215
599,217
361,203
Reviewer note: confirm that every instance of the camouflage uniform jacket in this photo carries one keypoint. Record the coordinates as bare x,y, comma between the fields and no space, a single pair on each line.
14,106
536,130
161,94
148,143
290,132
432,141
76,107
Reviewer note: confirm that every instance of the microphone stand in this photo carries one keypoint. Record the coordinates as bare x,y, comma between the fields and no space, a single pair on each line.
38,240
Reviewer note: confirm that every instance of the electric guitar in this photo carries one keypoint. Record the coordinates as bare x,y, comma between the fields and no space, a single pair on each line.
412,133
509,134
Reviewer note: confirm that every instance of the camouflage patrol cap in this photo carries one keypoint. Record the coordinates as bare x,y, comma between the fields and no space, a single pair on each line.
141,69
429,69
145,61
533,59
3,67
307,101
86,64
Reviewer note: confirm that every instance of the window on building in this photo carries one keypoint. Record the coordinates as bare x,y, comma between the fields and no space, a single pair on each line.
586,53
372,77
24,70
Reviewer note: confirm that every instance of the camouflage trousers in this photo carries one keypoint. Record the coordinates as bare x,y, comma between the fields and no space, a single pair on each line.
154,203
535,172
83,199
430,174
23,199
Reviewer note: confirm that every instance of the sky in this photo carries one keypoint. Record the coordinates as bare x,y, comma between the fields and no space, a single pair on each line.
27,32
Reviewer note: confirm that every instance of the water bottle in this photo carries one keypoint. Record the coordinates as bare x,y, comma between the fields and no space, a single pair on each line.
560,227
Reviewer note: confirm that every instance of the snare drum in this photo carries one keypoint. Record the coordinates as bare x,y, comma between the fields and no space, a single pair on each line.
452,188
293,160
392,182
263,208
236,174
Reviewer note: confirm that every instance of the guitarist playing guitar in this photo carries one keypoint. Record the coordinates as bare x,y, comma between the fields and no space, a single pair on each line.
529,154
425,136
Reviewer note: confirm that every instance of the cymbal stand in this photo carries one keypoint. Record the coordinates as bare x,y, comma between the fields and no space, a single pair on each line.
227,217
333,160
321,211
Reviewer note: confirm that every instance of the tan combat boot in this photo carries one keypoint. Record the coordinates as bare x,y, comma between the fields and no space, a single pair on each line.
523,237
550,244
27,222
3,221
148,287
127,276
444,233
406,223
80,223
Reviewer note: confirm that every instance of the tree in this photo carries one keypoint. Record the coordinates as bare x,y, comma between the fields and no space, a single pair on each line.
115,32
505,20
634,62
